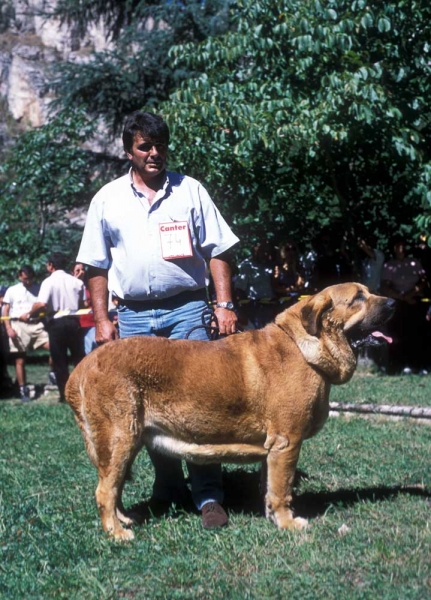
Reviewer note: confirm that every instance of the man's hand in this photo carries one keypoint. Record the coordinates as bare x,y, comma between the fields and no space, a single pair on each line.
105,332
227,321
221,275
98,284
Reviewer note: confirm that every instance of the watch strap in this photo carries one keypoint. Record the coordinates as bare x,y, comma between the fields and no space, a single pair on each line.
227,305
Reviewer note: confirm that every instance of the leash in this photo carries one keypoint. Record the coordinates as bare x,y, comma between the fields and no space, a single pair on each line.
208,317
210,323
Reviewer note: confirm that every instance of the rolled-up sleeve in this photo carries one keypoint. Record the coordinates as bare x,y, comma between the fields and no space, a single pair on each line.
95,247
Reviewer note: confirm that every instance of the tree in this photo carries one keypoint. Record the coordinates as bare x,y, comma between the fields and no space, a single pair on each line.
310,114
297,114
47,174
137,70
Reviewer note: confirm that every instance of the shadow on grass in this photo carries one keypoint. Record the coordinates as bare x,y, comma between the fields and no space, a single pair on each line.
311,505
243,495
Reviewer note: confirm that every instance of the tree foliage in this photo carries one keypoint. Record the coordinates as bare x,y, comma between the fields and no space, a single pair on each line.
47,174
137,70
310,114
297,114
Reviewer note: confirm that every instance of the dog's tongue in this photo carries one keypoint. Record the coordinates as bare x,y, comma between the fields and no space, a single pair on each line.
379,334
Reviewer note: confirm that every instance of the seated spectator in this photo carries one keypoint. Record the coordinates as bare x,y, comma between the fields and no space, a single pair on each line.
254,283
404,279
288,275
24,334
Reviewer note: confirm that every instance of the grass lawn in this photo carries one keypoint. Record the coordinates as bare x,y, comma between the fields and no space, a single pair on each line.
365,485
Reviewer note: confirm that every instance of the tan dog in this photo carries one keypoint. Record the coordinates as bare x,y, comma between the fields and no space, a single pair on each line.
249,397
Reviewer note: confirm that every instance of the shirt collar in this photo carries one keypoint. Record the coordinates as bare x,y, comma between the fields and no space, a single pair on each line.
139,194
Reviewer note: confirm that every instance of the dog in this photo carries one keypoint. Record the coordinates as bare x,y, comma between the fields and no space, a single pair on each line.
251,397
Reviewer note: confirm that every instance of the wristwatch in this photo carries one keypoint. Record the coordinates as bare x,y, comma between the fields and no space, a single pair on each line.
227,305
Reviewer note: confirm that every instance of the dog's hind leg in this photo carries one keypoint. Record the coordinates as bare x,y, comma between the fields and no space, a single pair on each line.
281,463
112,474
121,512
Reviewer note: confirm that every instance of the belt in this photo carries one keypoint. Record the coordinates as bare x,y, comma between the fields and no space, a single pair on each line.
170,302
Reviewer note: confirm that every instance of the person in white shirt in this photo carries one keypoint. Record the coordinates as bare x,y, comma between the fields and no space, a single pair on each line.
23,334
61,291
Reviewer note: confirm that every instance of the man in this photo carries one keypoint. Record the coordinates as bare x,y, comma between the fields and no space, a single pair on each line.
149,238
23,334
61,291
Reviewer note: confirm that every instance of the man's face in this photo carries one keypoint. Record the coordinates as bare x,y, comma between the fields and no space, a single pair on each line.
148,156
26,280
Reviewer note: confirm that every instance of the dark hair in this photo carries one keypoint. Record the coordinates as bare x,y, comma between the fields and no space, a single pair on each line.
148,125
27,270
58,260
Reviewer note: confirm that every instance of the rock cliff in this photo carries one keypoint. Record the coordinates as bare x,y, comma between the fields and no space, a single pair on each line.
29,45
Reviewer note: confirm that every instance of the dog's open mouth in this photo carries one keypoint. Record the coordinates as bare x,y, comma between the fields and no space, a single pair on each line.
375,338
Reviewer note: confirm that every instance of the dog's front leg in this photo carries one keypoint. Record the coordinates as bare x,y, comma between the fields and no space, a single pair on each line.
281,464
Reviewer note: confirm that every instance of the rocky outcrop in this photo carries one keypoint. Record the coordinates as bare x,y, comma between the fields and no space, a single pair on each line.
28,49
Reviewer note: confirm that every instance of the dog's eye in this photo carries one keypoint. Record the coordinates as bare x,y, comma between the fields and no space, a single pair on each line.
360,297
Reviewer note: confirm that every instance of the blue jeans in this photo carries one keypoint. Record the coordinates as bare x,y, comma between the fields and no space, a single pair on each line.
90,339
174,318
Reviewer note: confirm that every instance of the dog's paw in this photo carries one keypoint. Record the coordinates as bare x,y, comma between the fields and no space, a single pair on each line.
300,523
285,520
122,535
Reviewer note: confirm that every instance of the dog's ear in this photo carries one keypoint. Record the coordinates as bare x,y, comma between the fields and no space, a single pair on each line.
311,314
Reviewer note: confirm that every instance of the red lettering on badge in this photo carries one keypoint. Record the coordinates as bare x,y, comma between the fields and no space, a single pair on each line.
175,240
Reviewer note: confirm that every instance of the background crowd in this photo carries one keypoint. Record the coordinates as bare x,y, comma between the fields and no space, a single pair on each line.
275,276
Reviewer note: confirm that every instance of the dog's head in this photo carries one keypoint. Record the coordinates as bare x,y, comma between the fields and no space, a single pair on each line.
351,309
333,323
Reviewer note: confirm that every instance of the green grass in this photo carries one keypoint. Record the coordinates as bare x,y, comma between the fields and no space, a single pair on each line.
366,387
372,476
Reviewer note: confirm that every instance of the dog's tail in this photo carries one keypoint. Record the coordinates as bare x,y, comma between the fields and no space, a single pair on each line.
76,399
206,453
